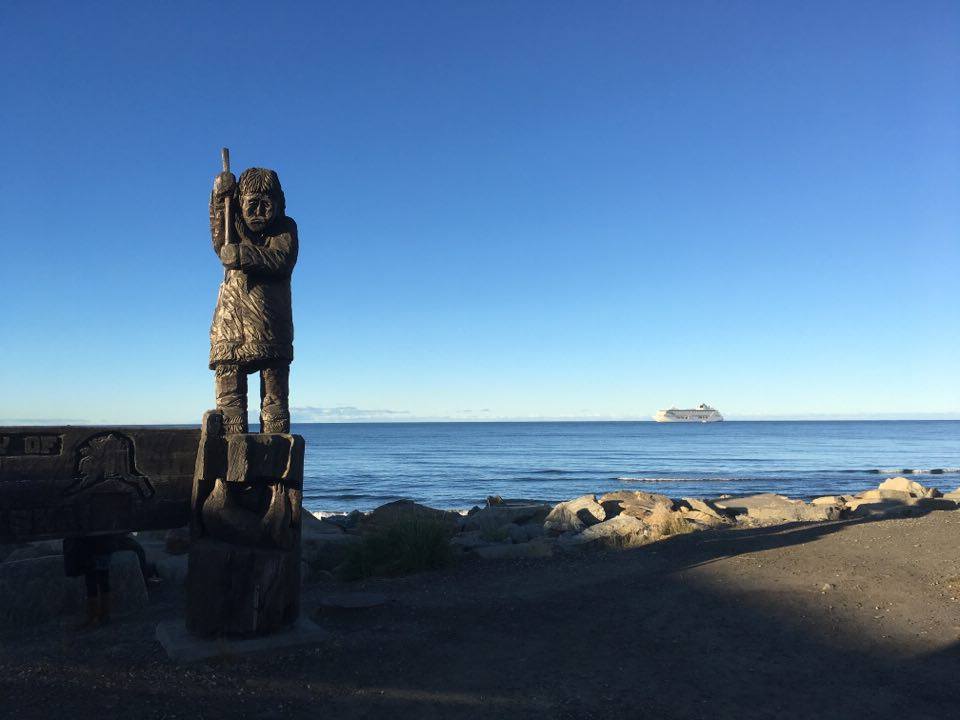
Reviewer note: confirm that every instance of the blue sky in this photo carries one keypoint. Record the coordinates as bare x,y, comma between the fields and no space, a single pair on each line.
506,209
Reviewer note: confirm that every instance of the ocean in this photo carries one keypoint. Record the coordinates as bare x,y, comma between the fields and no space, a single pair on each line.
457,465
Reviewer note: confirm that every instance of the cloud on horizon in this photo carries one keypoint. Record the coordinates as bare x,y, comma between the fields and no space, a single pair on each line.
341,412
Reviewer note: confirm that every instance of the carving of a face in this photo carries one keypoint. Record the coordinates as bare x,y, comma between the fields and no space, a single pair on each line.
258,210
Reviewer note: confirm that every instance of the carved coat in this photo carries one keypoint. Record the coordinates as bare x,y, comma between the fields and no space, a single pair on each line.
253,323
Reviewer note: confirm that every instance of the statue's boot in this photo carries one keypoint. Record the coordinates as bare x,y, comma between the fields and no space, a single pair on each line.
274,402
274,419
234,422
230,383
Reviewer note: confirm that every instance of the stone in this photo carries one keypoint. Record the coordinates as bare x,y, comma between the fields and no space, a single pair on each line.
183,647
574,515
244,571
252,329
838,500
507,511
770,508
311,525
704,521
348,521
469,540
524,533
897,507
633,502
36,590
541,547
323,549
705,507
621,531
911,487
58,482
177,541
406,511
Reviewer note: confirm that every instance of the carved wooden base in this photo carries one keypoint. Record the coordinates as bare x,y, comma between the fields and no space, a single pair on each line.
236,590
243,577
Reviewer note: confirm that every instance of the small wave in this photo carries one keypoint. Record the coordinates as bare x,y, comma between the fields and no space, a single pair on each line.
630,479
557,471
911,471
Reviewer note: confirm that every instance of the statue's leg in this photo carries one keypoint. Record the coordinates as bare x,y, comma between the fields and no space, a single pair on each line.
231,386
274,399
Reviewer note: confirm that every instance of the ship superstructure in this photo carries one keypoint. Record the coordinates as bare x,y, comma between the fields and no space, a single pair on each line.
702,413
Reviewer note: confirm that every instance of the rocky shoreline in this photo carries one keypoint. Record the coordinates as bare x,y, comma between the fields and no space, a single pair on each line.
31,573
506,528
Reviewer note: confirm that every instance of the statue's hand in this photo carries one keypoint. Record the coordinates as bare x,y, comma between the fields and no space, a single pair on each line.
230,255
224,184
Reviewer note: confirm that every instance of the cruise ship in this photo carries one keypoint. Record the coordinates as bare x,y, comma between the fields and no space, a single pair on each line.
702,413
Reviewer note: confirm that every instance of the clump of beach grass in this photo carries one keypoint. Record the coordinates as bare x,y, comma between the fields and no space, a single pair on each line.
403,547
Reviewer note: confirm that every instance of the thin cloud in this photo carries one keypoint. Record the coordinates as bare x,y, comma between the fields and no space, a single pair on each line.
341,412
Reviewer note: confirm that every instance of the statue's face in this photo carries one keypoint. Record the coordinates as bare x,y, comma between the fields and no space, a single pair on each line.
258,210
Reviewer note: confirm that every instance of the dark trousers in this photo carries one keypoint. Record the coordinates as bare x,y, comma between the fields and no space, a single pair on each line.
231,388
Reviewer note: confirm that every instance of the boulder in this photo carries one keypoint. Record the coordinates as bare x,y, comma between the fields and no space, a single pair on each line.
633,502
36,590
525,533
906,506
838,500
506,511
706,507
401,511
704,521
911,487
574,515
621,531
311,525
323,545
348,521
469,540
773,509
177,541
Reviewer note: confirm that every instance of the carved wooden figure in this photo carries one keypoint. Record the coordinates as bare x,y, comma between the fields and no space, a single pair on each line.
252,328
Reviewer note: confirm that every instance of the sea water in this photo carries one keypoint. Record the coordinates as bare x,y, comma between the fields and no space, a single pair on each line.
457,465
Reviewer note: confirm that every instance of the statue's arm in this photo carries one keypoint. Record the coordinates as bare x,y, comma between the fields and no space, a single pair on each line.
224,187
276,259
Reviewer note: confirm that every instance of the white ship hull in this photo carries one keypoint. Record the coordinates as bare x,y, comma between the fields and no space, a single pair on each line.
702,414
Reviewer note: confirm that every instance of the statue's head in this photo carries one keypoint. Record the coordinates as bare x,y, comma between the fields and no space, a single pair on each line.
261,198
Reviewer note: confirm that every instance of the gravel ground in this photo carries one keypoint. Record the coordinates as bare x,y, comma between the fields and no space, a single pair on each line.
832,620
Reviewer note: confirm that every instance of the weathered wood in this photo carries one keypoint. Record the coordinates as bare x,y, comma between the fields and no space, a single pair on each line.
244,570
70,481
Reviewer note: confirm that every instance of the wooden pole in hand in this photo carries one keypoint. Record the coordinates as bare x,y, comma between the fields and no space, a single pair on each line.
225,157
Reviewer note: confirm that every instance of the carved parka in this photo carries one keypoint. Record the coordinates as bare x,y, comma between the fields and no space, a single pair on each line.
253,322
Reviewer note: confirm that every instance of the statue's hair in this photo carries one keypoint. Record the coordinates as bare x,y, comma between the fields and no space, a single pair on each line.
262,180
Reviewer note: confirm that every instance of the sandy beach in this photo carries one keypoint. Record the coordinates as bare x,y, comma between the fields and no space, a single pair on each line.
828,620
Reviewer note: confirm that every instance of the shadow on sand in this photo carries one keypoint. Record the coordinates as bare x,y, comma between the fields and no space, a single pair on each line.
631,634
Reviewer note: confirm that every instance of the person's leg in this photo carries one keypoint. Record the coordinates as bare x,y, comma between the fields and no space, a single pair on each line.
274,399
93,602
231,389
128,542
103,587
